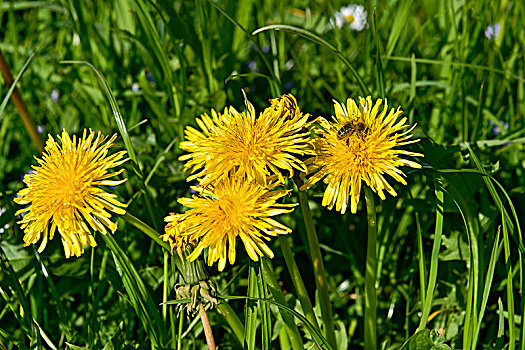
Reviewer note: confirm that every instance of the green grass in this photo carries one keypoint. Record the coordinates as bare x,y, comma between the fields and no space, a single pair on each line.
449,246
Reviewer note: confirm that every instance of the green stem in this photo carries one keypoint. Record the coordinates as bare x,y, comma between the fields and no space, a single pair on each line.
297,280
370,276
273,286
320,280
510,291
264,308
250,310
165,286
231,317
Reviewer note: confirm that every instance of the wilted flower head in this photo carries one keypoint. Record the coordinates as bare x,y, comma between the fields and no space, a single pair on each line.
63,192
360,145
243,145
492,31
229,208
353,15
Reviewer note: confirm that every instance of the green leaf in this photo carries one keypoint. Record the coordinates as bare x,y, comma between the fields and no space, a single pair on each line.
140,298
419,341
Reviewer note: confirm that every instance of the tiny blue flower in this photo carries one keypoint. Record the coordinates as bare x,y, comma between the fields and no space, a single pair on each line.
40,129
135,86
266,48
252,65
495,130
492,31
288,85
150,78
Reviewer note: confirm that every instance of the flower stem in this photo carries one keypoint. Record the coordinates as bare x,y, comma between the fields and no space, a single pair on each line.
165,285
207,328
370,275
297,280
320,280
273,286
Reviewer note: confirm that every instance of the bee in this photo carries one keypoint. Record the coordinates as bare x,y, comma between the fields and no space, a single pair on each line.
359,128
288,102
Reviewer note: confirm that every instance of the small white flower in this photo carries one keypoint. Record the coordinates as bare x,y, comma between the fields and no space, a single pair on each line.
354,15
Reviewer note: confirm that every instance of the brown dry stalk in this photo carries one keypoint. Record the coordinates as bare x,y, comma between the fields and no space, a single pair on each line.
29,123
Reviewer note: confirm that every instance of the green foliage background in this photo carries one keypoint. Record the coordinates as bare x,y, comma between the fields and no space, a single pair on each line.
187,57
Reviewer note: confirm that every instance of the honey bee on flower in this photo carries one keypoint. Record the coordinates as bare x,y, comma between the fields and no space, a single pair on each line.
362,144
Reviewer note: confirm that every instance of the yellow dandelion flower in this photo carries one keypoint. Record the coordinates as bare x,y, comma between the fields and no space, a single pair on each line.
245,145
233,207
63,192
174,234
360,145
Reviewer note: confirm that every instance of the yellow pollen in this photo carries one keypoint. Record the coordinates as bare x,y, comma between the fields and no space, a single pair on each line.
233,210
350,18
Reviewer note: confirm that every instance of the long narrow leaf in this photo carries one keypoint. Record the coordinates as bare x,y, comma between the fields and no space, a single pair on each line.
266,326
13,86
141,299
318,40
434,260
125,136
250,309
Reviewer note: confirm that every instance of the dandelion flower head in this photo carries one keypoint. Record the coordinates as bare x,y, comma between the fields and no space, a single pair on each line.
243,145
362,144
229,208
63,192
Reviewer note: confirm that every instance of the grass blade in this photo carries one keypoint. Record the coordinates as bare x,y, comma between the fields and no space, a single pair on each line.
125,136
250,309
380,80
318,40
140,298
496,250
434,260
29,123
266,325
156,47
62,312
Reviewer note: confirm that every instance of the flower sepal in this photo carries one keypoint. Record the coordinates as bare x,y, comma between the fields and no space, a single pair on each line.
201,292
